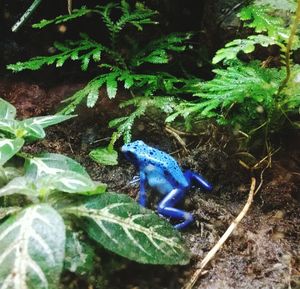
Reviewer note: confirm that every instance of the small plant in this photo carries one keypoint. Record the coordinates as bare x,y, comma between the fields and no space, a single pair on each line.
49,197
252,95
118,66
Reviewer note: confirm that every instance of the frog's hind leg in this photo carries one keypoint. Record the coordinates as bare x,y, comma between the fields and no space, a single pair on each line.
194,178
166,208
142,194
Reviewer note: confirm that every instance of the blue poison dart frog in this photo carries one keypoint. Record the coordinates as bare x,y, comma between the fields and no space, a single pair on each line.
162,173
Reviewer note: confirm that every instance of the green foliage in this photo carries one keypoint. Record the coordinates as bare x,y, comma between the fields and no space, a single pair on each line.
250,95
40,235
130,230
122,67
82,50
14,133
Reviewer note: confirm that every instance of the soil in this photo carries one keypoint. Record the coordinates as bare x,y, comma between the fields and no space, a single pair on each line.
263,252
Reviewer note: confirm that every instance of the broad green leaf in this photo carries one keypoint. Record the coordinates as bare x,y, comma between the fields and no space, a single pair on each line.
104,156
122,226
52,164
32,246
8,173
10,126
20,185
45,121
33,131
8,148
79,255
72,182
7,111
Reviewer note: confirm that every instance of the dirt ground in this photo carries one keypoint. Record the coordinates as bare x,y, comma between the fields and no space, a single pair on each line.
264,251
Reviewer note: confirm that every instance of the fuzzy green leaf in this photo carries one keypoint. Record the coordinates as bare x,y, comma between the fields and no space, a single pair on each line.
119,224
7,111
52,164
79,255
8,148
45,121
32,245
104,156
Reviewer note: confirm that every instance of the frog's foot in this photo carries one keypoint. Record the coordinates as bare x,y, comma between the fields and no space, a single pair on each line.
194,178
134,180
165,208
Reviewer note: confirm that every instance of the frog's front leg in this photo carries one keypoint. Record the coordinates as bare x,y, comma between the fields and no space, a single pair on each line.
142,194
166,208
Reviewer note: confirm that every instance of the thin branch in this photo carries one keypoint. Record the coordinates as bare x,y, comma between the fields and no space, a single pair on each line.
26,15
289,47
210,255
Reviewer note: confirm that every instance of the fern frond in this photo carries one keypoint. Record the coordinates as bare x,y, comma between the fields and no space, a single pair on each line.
242,87
282,5
231,49
291,101
82,50
157,51
260,19
76,13
137,17
141,104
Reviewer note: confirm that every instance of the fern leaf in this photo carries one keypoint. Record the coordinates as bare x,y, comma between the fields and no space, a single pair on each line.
76,13
258,17
245,45
282,5
157,51
82,50
242,86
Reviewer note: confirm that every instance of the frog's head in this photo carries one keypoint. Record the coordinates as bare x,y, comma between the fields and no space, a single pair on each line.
133,151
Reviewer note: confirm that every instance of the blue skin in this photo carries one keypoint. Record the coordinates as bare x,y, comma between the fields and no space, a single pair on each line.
162,173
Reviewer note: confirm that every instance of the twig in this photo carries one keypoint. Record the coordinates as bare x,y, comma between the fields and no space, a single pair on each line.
70,6
177,137
26,15
289,47
223,239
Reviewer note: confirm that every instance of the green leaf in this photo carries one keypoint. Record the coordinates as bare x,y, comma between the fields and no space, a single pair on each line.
76,13
10,126
111,85
8,148
79,255
20,185
8,173
52,164
7,111
119,224
45,121
259,18
246,45
32,131
104,156
32,245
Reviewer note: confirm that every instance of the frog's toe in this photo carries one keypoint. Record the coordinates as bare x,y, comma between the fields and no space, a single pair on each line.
174,213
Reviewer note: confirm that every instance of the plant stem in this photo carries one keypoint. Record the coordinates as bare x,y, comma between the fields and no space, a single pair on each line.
26,15
289,47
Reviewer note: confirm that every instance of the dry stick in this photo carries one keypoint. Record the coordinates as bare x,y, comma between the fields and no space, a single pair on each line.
26,15
223,239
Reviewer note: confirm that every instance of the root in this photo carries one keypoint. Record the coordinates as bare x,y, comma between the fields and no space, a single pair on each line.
210,255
